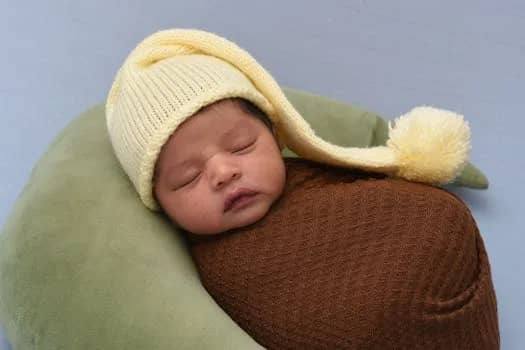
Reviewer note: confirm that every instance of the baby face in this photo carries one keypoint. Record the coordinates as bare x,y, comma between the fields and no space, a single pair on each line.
213,154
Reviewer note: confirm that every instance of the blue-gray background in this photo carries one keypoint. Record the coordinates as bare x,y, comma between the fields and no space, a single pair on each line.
58,58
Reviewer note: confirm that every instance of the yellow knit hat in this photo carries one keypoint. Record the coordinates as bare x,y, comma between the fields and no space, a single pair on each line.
173,73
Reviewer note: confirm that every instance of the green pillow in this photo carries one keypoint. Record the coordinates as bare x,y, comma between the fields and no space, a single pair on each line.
85,265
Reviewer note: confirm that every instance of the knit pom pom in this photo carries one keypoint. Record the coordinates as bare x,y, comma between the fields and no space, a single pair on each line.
431,145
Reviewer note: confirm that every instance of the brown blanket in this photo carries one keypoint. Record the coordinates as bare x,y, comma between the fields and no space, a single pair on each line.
347,259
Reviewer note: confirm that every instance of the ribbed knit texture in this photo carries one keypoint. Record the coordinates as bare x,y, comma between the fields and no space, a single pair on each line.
355,260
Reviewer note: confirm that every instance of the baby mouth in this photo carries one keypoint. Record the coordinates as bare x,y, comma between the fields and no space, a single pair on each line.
241,201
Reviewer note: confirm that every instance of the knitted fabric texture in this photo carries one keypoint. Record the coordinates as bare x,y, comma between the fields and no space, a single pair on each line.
355,260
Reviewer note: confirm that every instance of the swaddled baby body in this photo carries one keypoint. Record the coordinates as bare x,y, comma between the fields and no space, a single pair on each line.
350,260
324,257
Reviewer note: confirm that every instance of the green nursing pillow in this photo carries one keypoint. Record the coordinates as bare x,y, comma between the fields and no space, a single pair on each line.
85,265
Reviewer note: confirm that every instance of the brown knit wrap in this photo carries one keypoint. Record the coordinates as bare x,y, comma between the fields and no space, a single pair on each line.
347,259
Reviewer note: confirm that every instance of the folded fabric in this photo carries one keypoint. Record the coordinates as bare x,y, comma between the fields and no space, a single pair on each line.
355,260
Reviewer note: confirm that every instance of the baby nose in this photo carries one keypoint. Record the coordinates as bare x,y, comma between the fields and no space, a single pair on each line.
224,174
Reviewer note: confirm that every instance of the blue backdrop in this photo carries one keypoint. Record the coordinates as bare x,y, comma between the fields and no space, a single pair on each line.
59,58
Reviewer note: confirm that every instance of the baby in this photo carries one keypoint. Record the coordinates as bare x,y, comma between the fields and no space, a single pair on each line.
314,252
221,169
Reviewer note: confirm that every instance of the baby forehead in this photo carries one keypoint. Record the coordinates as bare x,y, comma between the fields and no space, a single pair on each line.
229,111
213,126
208,132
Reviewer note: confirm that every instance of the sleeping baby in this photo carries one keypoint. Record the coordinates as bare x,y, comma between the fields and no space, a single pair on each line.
339,248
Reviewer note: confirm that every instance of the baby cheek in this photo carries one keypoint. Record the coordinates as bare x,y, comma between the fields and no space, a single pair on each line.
271,176
200,212
192,207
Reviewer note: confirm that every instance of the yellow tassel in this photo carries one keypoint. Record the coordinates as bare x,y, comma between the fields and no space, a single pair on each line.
431,145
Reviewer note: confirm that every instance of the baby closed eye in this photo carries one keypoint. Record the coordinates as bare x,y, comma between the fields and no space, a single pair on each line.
245,147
